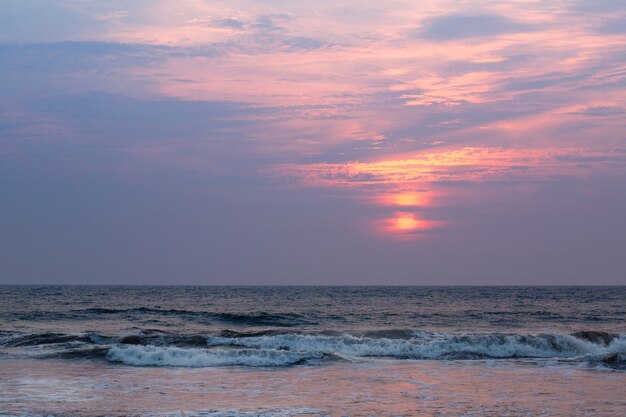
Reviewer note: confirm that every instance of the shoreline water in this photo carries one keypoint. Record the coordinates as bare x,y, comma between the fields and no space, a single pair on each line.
315,351
370,388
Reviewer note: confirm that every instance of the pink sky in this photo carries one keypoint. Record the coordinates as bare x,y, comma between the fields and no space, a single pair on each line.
412,117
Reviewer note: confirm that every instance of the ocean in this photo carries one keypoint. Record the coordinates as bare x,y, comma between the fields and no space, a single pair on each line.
312,351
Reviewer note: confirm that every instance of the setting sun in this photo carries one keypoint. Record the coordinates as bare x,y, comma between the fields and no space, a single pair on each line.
405,222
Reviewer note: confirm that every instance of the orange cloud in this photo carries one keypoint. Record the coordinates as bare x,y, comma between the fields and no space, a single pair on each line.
409,183
465,164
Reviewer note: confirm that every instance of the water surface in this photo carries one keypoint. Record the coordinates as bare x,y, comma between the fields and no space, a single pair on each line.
286,351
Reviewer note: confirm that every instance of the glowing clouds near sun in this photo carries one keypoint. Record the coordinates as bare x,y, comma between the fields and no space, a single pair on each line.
405,222
407,198
410,185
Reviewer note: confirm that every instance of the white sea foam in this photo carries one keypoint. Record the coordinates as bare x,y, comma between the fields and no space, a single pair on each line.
288,349
194,357
431,345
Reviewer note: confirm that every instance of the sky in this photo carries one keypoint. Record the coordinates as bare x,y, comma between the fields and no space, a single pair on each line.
303,142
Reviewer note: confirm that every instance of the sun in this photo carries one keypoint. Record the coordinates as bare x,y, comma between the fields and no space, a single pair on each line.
405,222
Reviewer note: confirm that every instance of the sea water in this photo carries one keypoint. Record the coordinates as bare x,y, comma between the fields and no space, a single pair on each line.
312,351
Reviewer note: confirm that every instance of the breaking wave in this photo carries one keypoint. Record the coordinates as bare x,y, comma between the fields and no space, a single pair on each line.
283,348
193,357
431,345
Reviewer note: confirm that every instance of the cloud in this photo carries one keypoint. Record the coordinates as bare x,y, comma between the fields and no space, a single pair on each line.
603,6
469,164
302,42
614,26
37,20
118,134
266,33
469,87
48,69
454,27
601,111
106,127
269,32
121,118
417,189
229,23
69,56
271,22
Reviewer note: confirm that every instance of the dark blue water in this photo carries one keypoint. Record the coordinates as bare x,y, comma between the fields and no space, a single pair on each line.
280,326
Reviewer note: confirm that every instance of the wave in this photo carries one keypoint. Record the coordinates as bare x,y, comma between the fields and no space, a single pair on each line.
615,361
249,319
174,356
290,349
41,339
432,345
283,348
259,319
